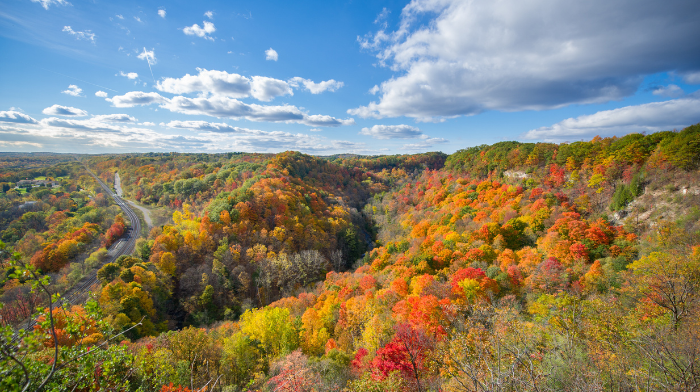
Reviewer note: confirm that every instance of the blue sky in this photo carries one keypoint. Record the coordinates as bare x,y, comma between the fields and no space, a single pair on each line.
373,77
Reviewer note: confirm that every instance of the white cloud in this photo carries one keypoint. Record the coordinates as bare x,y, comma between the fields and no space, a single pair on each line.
148,55
206,126
648,117
392,132
161,13
425,144
454,57
60,135
315,130
136,18
374,90
80,35
16,117
120,16
111,118
243,139
134,98
73,90
47,3
225,84
213,82
316,88
265,89
147,123
58,110
199,31
219,106
101,94
271,54
668,91
691,77
209,14
130,75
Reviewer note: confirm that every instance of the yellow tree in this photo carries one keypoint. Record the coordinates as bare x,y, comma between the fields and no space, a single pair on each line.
670,280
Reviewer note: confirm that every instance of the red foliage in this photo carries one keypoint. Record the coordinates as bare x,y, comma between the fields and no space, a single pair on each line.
171,388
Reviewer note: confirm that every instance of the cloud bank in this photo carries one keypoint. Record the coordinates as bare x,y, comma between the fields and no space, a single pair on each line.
455,58
649,117
225,107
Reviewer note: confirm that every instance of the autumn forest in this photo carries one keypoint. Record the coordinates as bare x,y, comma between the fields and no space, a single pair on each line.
505,267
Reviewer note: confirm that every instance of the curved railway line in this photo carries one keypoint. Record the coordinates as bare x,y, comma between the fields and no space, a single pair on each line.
124,246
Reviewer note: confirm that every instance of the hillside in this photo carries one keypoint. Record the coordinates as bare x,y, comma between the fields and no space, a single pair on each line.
514,266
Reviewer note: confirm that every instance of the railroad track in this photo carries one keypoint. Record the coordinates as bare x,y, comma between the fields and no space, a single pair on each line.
124,246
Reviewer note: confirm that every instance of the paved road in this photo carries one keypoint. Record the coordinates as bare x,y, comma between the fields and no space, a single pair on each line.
146,211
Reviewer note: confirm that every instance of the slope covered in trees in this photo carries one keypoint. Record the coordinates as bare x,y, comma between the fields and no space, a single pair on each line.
516,266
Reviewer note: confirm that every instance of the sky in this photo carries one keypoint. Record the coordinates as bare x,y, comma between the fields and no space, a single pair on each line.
326,77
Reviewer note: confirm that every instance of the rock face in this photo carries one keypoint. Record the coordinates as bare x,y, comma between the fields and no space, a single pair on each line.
660,204
515,174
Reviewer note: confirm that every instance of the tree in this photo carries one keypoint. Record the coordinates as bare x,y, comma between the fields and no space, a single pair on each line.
670,280
80,359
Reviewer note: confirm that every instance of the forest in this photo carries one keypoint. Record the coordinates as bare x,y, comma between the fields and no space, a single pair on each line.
505,267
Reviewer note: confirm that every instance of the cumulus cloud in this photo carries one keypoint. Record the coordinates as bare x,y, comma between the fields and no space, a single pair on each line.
668,91
148,124
225,107
161,13
392,132
237,86
116,118
271,54
80,35
316,88
455,58
58,110
265,89
226,84
16,117
202,32
73,90
47,3
648,117
101,94
130,75
135,98
120,16
214,82
209,14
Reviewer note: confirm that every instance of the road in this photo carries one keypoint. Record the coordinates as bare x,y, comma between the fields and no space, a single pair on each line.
146,212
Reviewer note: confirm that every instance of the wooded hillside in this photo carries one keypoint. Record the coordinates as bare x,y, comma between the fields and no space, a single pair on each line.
515,266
